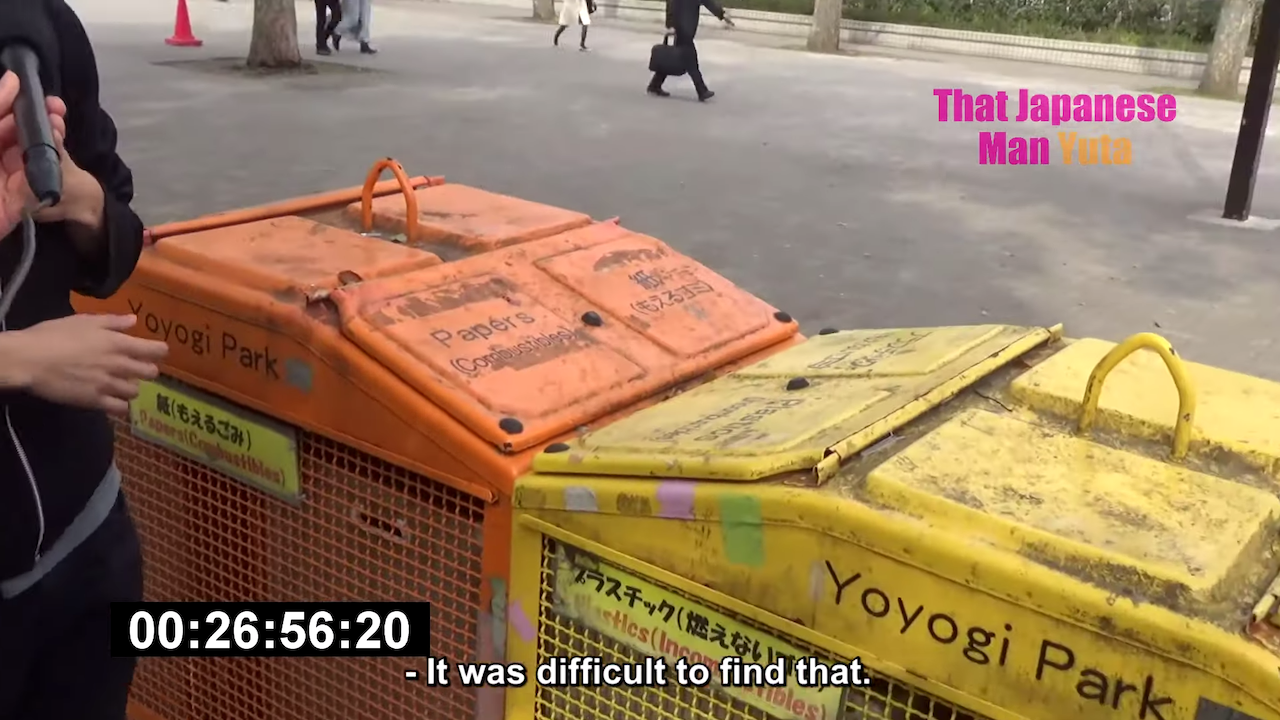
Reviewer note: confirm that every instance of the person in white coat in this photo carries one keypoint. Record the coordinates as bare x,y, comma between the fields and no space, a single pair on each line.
355,24
575,10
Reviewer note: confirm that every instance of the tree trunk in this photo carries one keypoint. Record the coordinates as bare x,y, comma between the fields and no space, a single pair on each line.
1230,40
544,10
824,33
274,43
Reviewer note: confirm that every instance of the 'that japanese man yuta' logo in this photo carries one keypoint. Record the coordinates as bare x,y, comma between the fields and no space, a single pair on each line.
1076,147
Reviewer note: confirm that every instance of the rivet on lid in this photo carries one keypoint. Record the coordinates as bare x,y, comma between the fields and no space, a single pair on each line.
797,383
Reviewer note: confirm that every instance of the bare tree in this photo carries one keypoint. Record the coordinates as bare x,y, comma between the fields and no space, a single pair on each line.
544,10
274,43
1230,41
824,33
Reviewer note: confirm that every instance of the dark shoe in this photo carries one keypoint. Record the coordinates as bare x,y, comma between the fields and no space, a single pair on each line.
705,96
337,42
583,48
323,50
657,92
368,49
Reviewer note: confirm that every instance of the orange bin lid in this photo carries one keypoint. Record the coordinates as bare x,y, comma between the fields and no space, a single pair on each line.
472,219
291,252
524,344
669,298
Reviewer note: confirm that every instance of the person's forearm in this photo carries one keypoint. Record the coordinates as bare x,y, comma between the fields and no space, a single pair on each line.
87,224
14,373
107,235
111,252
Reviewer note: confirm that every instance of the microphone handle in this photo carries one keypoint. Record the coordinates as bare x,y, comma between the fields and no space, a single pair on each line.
39,154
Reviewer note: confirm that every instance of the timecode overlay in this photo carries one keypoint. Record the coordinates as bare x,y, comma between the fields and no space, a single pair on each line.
270,629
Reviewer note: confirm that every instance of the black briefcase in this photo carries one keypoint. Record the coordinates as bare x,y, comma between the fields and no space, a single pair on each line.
667,59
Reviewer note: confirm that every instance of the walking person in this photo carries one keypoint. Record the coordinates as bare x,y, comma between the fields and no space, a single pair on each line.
355,24
328,15
682,20
571,10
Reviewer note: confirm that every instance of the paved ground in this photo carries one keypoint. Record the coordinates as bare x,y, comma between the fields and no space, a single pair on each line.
824,184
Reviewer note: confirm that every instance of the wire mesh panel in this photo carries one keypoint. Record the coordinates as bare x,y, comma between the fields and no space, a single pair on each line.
560,636
365,530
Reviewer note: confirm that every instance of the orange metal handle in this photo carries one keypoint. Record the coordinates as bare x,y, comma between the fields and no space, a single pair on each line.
406,188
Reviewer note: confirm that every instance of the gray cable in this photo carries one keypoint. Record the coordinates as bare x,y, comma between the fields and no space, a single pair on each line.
24,266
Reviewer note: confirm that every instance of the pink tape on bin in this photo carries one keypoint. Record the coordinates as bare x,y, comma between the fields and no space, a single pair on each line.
675,499
520,621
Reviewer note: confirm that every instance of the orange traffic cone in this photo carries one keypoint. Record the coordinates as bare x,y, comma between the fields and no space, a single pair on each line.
182,36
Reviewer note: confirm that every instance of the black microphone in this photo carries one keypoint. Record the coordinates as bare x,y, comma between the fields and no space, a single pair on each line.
29,48
39,154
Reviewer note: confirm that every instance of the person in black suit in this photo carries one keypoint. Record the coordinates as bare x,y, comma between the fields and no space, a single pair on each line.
682,19
328,15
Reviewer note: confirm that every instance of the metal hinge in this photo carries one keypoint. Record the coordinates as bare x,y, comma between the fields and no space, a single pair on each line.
1266,607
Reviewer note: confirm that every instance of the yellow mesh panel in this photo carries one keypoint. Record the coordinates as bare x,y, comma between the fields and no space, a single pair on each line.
884,699
367,530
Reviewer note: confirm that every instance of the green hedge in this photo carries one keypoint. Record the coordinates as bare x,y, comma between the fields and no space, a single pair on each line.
1175,24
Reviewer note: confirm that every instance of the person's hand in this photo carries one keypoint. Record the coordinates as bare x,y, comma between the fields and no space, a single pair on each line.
83,360
728,21
15,196
82,195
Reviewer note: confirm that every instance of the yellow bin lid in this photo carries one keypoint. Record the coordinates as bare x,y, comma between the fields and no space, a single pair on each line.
834,393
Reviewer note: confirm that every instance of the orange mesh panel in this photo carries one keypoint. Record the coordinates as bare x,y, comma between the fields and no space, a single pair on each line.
367,530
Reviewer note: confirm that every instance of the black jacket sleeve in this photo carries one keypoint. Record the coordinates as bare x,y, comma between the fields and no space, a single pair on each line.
91,143
714,8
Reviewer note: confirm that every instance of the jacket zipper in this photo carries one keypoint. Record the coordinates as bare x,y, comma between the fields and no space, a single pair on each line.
26,464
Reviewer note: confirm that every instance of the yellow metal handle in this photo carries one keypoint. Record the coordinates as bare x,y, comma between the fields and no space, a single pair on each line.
406,189
1186,389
